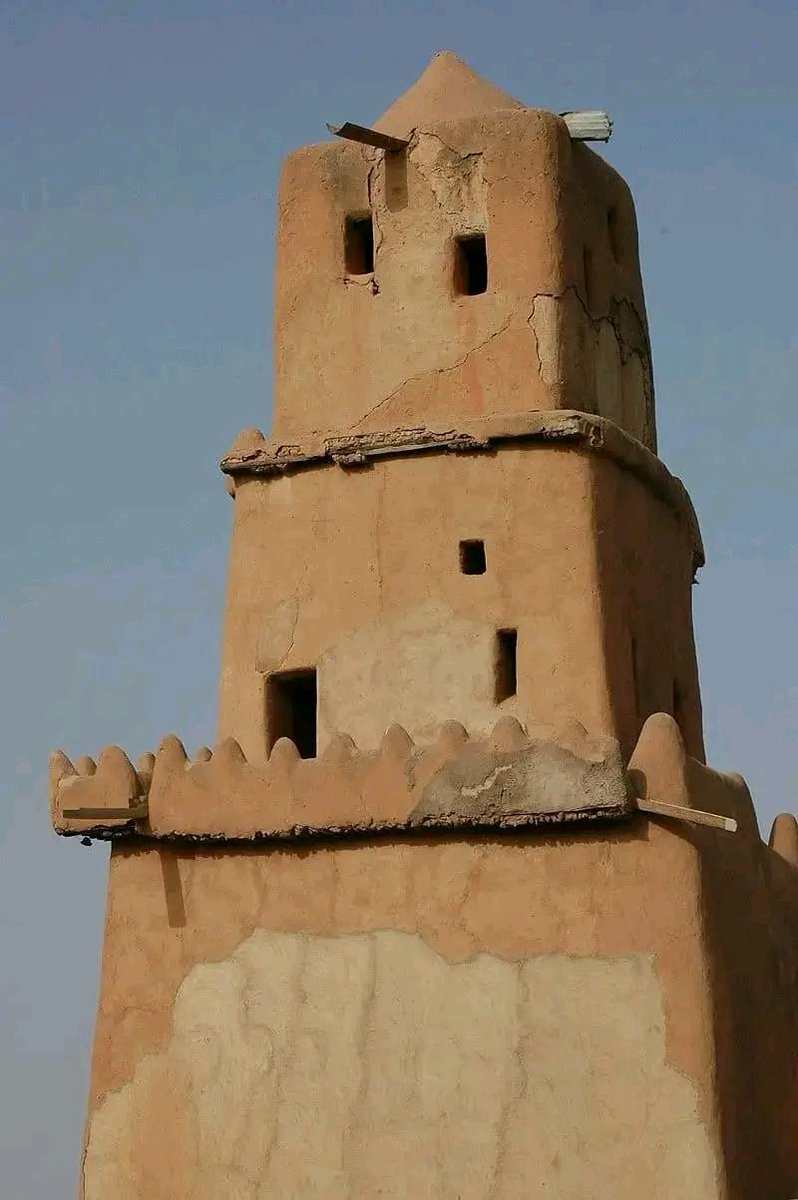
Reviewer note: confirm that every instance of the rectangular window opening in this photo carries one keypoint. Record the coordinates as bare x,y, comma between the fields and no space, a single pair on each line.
614,231
677,706
291,698
359,245
506,664
472,557
471,265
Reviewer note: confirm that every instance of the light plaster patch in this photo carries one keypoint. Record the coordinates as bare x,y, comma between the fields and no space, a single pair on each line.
439,662
367,1065
456,180
605,360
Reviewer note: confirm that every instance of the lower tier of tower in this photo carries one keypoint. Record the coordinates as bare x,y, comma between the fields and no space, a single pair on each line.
596,1012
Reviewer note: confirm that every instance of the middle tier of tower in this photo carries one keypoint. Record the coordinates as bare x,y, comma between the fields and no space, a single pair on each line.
548,577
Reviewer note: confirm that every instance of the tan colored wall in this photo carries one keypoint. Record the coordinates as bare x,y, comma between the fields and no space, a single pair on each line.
403,348
465,1019
749,903
601,1013
645,586
357,573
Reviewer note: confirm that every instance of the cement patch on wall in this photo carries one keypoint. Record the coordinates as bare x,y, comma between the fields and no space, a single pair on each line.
365,1065
410,666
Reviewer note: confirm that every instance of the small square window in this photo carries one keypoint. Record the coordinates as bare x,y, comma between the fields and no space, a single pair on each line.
471,265
472,557
291,709
359,245
506,664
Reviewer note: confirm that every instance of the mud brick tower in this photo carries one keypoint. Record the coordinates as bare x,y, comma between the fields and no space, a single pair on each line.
454,909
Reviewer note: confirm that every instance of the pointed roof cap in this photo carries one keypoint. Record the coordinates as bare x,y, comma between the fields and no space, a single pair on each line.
448,90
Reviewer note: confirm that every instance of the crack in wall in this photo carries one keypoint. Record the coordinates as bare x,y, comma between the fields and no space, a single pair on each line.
571,364
617,306
432,371
374,209
551,347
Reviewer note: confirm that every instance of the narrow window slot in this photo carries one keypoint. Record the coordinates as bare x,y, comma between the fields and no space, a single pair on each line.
291,700
471,265
472,557
614,231
506,664
677,706
359,245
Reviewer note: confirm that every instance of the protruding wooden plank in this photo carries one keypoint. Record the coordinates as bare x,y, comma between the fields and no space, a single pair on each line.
588,125
696,815
137,812
368,137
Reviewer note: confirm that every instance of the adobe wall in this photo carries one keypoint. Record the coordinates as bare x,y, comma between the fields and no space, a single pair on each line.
606,1012
645,583
356,572
562,324
749,903
452,1019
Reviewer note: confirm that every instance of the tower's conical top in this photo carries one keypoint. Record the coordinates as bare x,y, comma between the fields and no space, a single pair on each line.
448,89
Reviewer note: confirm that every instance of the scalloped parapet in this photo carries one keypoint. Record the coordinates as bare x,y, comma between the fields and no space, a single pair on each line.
784,838
511,779
660,769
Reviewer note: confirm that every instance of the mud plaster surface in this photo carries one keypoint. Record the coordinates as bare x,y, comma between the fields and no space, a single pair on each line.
366,1064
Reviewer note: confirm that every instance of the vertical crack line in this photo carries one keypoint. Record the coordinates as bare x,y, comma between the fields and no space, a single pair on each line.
284,1059
515,1087
357,1109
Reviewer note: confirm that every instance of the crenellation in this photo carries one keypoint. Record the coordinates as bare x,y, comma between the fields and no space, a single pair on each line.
400,785
544,776
784,838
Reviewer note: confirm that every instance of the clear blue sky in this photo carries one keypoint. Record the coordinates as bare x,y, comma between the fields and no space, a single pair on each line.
141,144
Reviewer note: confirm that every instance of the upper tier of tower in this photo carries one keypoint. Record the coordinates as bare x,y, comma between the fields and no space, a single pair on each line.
489,268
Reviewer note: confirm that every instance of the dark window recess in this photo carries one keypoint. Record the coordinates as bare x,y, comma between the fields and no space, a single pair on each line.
614,231
359,245
506,664
678,706
472,557
291,709
471,265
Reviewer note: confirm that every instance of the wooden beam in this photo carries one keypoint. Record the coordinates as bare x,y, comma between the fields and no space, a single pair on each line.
695,815
368,137
588,125
137,812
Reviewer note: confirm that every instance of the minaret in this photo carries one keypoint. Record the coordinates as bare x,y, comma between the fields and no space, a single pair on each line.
433,530
454,908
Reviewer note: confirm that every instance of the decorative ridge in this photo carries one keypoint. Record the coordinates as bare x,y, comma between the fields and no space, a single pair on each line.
509,779
512,779
588,431
668,781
